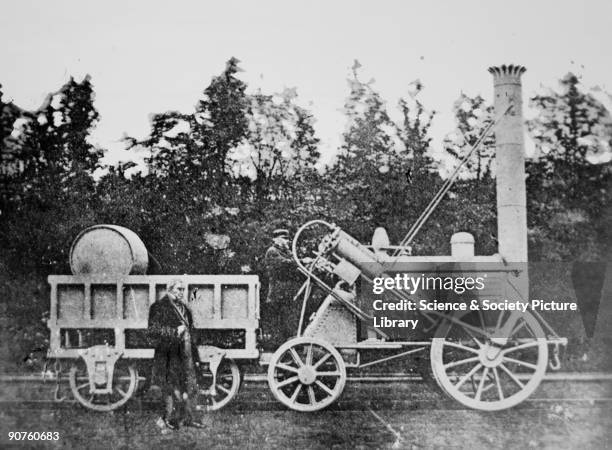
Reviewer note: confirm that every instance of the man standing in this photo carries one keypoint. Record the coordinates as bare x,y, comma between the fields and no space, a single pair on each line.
282,278
170,324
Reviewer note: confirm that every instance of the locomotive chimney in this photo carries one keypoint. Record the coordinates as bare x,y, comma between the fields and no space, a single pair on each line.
510,164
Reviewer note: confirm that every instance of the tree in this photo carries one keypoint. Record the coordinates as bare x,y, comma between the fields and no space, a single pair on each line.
568,192
384,174
281,148
55,189
10,165
189,150
305,145
54,149
61,129
364,158
9,113
413,133
222,116
473,116
571,126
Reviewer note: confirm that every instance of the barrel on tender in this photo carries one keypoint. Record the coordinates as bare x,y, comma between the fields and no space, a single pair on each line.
109,250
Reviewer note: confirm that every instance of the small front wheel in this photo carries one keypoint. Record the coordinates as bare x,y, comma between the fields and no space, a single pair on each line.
306,374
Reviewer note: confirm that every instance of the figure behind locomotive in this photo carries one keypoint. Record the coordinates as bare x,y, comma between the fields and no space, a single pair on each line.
279,315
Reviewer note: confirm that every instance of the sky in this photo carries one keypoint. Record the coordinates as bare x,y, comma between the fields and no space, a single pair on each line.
149,57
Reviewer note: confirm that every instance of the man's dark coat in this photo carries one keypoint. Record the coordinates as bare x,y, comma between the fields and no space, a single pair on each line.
171,367
282,276
280,314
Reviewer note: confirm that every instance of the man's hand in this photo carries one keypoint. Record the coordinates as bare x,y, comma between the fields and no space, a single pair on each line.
180,330
307,261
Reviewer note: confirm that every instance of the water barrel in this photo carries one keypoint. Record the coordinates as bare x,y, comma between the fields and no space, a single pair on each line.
110,250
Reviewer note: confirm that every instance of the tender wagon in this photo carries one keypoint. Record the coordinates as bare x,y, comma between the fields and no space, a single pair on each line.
98,325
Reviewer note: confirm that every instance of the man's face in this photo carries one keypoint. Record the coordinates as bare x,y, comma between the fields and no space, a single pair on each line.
178,290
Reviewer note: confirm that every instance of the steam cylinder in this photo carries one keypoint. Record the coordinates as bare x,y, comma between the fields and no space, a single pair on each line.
354,252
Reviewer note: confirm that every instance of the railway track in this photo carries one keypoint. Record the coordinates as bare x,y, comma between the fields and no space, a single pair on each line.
380,392
383,377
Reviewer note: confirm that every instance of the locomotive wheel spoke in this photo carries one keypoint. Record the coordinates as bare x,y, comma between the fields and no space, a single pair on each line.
286,367
81,386
296,357
461,362
311,395
462,347
518,326
471,334
498,325
121,391
309,356
480,344
468,375
521,363
520,347
295,393
325,388
287,381
497,382
223,388
322,360
482,382
329,374
511,375
482,325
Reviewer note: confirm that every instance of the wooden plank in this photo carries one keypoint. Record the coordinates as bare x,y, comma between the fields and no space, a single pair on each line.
217,308
87,301
158,279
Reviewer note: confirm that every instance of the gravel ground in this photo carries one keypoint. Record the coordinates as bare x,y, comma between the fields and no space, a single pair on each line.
565,427
361,420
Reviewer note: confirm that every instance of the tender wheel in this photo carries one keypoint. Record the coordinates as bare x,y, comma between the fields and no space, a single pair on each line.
125,383
475,367
226,387
306,374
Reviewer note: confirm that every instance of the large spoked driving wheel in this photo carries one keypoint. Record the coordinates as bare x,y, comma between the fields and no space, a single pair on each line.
125,382
475,367
306,374
226,386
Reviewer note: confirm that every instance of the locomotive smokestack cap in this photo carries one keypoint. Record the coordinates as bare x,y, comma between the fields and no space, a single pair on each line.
507,73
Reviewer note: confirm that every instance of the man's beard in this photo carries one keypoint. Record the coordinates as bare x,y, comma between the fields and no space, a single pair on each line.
174,297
